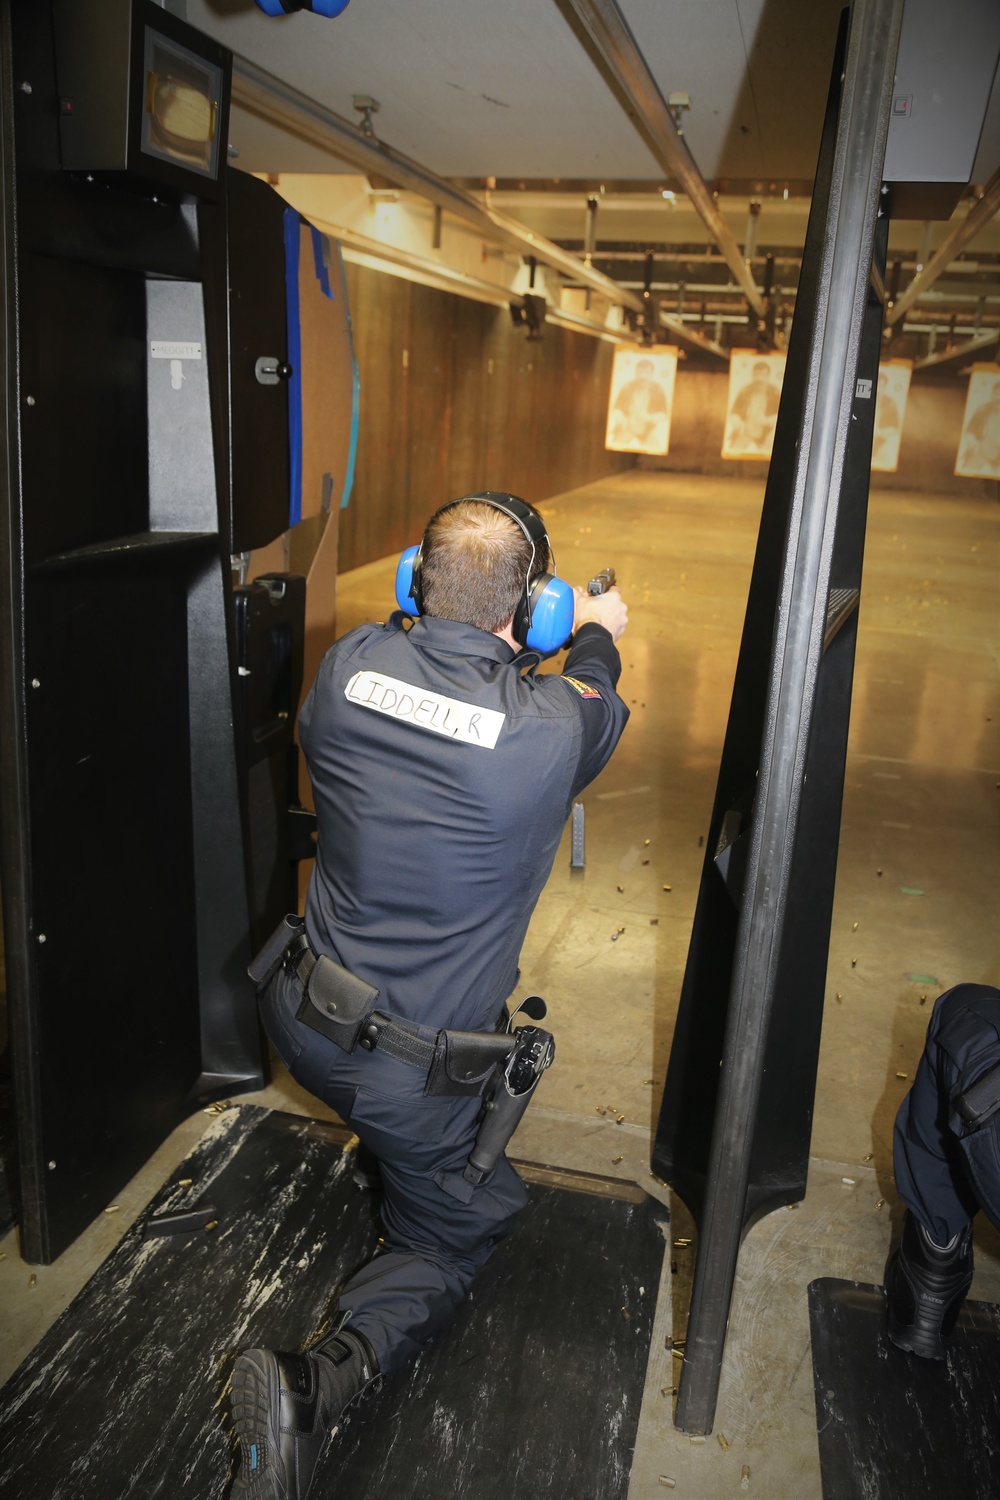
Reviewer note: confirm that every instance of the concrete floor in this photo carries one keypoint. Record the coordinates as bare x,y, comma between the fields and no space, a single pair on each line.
921,805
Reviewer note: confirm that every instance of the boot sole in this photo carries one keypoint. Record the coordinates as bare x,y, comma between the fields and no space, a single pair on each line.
255,1409
910,1345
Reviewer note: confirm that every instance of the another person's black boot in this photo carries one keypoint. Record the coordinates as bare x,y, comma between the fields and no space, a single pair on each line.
926,1285
286,1408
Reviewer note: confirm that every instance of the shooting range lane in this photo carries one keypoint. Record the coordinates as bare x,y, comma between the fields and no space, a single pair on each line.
921,804
123,1396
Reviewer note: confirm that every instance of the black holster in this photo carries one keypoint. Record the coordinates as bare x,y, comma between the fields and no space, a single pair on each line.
531,1053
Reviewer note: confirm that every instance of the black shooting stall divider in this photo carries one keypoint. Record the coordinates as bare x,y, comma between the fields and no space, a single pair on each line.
733,1135
145,836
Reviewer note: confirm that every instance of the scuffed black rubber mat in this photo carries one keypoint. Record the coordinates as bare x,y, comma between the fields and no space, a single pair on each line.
534,1390
892,1426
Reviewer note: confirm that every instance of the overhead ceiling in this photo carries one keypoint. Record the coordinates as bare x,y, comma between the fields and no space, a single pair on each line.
504,94
476,88
504,88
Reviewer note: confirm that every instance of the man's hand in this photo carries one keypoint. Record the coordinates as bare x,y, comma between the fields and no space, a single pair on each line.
609,610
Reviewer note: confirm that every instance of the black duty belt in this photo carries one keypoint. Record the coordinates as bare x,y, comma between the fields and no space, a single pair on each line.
341,1007
377,1030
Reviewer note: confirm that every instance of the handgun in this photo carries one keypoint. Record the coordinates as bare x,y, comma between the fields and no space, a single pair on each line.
602,582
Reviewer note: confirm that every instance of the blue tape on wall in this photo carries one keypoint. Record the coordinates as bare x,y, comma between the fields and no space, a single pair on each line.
295,360
356,385
355,421
319,262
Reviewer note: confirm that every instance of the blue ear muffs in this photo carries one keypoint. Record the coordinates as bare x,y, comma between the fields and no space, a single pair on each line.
552,610
543,620
404,582
318,7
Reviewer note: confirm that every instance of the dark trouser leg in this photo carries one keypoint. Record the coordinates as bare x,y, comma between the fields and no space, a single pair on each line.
962,1040
928,1277
439,1230
435,1246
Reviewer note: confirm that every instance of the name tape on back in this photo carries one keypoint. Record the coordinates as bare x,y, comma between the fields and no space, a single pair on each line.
426,710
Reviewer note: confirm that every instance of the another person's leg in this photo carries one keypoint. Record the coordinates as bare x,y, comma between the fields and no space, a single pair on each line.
928,1277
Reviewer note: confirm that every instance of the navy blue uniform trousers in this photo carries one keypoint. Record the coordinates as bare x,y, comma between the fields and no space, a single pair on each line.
945,1171
439,1229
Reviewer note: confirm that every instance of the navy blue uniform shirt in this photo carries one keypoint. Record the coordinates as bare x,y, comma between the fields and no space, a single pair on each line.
443,779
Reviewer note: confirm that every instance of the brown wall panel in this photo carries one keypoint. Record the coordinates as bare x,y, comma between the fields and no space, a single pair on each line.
455,399
931,429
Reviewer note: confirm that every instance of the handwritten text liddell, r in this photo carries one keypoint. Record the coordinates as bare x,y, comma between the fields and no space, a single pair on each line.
467,722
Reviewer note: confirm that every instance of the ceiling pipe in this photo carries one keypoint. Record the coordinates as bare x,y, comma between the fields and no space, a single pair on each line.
680,330
958,351
268,97
610,34
966,229
590,230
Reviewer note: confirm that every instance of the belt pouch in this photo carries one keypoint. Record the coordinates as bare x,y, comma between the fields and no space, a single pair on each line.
267,962
336,1003
465,1061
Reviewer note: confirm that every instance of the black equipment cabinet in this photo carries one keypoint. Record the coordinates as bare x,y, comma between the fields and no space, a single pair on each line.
112,896
135,857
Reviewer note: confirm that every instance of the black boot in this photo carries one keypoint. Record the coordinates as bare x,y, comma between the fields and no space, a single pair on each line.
286,1409
926,1285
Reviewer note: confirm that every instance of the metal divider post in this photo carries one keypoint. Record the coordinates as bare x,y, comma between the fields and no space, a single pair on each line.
817,426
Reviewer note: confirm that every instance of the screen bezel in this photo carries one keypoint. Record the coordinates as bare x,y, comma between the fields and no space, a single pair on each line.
150,25
153,41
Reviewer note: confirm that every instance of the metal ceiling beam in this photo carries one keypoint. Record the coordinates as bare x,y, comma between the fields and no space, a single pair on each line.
966,229
958,351
610,34
680,330
271,99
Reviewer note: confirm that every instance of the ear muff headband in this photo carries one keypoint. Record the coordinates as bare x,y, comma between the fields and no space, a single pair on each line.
543,620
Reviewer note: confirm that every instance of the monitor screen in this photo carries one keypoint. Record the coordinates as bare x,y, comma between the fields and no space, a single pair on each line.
180,114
